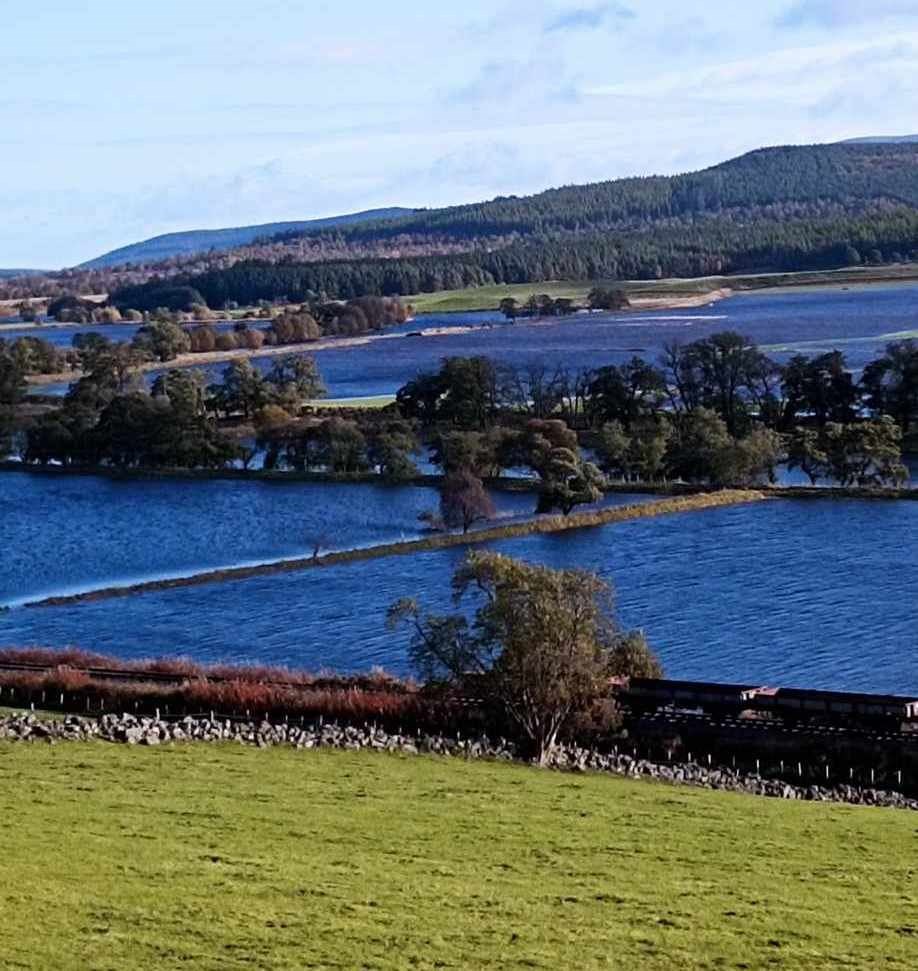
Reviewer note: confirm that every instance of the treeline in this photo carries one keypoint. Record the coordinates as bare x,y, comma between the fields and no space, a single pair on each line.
792,181
791,208
717,411
710,247
108,418
543,305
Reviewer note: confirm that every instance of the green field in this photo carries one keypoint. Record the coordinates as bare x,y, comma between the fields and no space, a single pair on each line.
373,401
232,858
488,298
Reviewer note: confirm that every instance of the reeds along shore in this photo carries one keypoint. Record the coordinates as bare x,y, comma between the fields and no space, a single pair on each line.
544,524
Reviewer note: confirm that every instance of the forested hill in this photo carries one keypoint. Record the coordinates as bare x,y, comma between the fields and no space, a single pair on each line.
810,180
779,209
197,241
881,140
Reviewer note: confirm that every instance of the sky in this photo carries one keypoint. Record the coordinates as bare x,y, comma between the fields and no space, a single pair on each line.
120,121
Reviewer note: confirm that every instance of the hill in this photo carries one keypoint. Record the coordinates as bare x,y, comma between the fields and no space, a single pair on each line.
778,209
230,857
12,274
882,140
198,241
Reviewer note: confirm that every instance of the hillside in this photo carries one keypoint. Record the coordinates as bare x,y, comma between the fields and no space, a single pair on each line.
12,274
777,209
236,858
797,181
882,140
785,209
197,241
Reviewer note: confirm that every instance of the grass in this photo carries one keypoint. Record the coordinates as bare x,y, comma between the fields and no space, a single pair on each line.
488,298
231,858
372,401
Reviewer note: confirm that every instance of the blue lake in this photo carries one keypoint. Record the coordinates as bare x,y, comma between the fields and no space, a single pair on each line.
859,321
62,534
811,593
789,592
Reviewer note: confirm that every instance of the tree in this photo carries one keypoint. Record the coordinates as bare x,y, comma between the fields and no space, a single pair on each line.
12,388
462,394
700,440
295,328
639,454
296,380
342,447
185,392
391,447
464,501
534,389
163,340
551,450
538,650
822,387
632,657
28,312
625,393
751,460
614,449
891,383
805,452
243,391
866,454
601,298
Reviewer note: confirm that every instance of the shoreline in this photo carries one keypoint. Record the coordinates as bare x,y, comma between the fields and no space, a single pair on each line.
644,301
204,359
504,483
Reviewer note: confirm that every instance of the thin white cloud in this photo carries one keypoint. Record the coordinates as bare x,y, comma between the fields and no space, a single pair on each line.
588,18
842,13
800,76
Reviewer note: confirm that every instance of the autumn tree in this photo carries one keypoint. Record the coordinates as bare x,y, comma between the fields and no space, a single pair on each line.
464,501
539,648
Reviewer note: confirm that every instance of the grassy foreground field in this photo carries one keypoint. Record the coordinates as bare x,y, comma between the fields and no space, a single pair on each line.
230,858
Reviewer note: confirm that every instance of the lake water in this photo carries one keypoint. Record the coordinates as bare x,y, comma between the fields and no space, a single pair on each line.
820,594
810,593
859,321
62,534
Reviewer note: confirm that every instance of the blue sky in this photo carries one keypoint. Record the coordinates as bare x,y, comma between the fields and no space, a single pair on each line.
119,121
